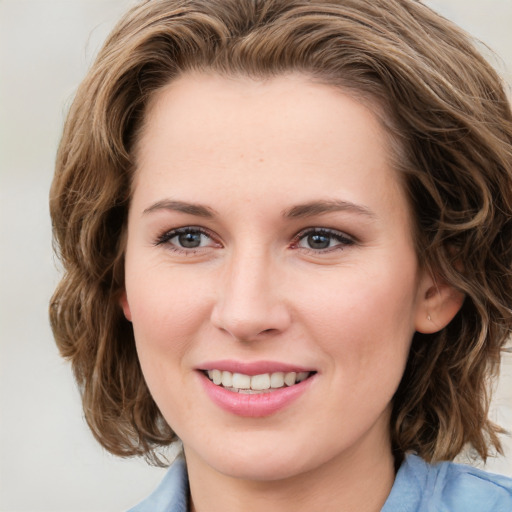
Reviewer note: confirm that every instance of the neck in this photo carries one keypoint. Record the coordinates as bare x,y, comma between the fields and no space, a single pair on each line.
358,480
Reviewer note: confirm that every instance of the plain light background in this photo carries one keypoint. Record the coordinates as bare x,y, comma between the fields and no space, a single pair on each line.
48,459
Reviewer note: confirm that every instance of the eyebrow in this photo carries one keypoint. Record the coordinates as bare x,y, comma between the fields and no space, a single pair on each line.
198,210
313,208
309,209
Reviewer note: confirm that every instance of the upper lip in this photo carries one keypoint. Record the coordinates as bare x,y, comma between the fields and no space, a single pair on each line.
252,367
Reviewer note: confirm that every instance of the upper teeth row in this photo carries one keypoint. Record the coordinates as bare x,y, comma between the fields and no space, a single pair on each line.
256,382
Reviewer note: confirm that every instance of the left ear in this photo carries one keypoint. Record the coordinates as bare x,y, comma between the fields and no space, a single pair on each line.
438,303
123,302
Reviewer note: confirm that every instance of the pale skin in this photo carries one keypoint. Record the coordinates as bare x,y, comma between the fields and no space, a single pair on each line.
304,256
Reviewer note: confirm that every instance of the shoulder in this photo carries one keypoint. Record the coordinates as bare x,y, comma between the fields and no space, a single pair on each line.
171,494
466,487
448,487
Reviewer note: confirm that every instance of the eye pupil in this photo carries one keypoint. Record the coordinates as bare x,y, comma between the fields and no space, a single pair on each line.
319,241
190,240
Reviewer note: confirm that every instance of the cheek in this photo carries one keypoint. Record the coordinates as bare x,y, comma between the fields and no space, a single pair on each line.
364,322
168,312
365,301
166,317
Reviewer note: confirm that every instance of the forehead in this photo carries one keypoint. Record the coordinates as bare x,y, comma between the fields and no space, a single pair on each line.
236,134
195,99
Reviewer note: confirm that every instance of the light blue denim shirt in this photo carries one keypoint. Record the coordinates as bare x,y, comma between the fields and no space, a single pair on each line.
418,487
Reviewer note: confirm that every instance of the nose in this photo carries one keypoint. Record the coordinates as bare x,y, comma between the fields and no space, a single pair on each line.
249,304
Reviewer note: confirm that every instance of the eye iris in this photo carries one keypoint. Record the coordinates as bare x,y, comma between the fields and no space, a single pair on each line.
319,241
190,240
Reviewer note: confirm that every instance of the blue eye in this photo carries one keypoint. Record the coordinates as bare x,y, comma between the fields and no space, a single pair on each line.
189,240
183,239
323,239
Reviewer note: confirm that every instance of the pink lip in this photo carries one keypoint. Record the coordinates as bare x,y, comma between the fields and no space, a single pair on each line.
254,405
252,368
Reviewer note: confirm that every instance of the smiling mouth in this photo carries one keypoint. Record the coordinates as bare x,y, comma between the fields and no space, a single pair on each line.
254,384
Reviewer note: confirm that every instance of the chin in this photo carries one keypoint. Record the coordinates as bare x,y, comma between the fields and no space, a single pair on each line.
256,460
264,470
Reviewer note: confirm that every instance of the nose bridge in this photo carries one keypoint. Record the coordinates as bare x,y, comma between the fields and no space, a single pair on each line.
249,303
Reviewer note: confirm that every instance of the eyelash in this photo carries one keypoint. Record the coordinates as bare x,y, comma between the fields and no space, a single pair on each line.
343,239
166,237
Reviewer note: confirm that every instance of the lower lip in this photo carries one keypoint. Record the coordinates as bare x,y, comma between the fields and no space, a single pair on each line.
254,405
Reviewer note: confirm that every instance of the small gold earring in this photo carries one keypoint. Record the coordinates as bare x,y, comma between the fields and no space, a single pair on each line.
429,318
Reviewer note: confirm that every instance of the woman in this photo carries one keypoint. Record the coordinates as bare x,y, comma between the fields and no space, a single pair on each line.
285,227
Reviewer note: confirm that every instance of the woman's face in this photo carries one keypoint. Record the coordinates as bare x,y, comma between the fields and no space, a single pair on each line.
268,235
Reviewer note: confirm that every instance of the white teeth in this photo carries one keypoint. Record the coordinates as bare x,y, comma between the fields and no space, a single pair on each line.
227,379
260,382
277,380
289,378
263,382
302,376
241,381
216,376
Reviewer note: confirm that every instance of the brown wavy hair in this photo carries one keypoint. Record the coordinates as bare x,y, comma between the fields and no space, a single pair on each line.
450,124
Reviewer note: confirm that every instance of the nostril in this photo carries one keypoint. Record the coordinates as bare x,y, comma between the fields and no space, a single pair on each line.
247,319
